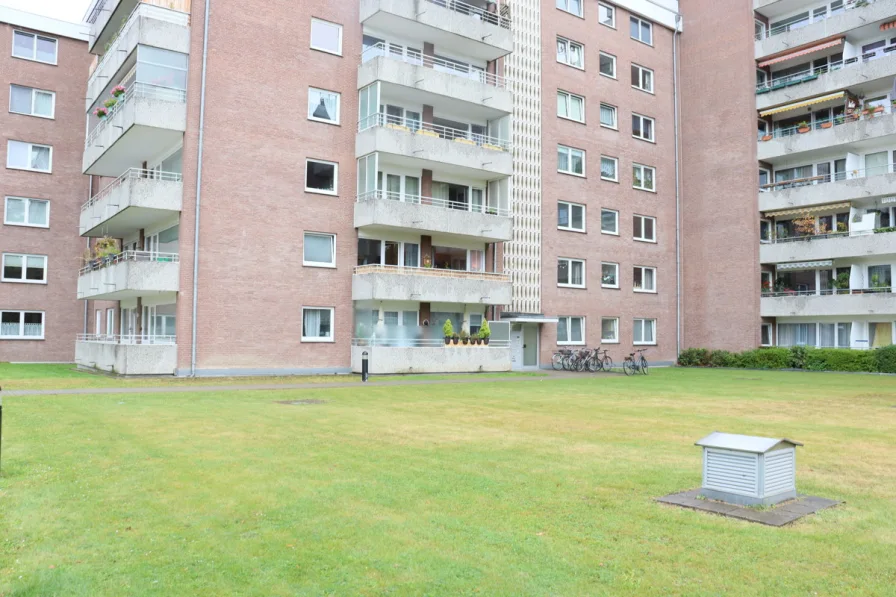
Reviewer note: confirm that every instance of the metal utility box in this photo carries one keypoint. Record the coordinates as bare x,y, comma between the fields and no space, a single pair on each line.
747,470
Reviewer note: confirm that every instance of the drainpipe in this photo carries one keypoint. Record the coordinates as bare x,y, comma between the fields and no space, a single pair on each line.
89,197
675,93
199,190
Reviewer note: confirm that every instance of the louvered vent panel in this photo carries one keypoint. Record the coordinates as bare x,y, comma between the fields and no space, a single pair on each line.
735,473
779,472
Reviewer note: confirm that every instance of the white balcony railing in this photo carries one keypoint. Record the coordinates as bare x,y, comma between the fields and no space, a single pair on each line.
826,178
828,292
431,272
419,342
500,18
818,125
812,18
418,127
132,174
806,237
134,91
417,58
433,202
810,74
126,339
128,256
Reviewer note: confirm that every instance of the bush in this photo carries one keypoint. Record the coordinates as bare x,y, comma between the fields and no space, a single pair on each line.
723,358
798,356
886,359
840,359
694,357
765,358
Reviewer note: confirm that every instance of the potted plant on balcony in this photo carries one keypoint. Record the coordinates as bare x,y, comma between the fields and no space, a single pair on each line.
766,287
464,337
485,332
110,103
447,331
104,249
101,112
876,284
455,339
765,137
842,227
803,127
841,283
118,91
827,124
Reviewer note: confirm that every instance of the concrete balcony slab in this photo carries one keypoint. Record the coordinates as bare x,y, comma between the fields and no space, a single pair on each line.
126,356
880,303
840,247
129,275
137,199
383,282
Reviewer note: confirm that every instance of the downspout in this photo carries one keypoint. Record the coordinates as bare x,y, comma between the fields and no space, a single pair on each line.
89,197
199,191
675,93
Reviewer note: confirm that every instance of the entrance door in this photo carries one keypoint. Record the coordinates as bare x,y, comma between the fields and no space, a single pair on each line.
516,346
530,345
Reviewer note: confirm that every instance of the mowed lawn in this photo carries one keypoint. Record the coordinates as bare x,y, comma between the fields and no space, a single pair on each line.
536,487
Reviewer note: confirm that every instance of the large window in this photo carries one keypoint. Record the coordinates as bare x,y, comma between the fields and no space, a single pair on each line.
571,6
643,177
323,106
21,325
609,330
642,78
796,334
644,228
609,168
326,36
20,211
642,127
609,221
570,106
32,102
34,47
24,268
608,116
570,161
571,330
641,30
571,273
609,275
644,279
606,15
570,53
161,68
320,176
607,65
570,216
834,335
29,156
879,276
317,324
645,331
319,250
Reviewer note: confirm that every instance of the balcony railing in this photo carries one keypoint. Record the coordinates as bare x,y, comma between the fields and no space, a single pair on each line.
807,237
419,342
126,339
826,178
500,18
136,90
813,73
432,201
430,272
132,174
828,292
128,256
810,18
820,125
464,71
418,127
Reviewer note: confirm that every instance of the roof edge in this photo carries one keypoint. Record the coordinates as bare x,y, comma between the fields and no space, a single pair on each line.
42,24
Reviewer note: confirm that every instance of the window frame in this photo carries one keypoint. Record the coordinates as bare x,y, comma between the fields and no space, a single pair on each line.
770,335
644,239
611,286
35,37
615,212
569,42
642,268
338,95
568,98
30,147
652,138
641,342
22,313
640,22
316,340
23,279
306,263
567,321
615,126
28,201
569,261
566,10
335,191
615,65
325,50
641,70
615,168
605,340
612,11
34,91
569,205
569,160
644,168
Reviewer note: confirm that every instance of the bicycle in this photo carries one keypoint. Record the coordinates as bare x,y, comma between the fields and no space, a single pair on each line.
604,363
633,364
558,360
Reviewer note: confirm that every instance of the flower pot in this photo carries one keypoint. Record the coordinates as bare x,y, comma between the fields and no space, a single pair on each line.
766,137
455,340
803,129
878,109
485,340
466,341
447,340
827,125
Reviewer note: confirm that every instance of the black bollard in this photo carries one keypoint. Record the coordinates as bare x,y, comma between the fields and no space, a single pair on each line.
365,372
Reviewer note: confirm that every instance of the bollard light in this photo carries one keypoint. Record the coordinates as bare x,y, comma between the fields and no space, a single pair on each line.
365,372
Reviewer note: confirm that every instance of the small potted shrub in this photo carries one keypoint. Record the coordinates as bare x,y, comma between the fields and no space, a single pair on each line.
803,127
766,138
485,332
109,103
464,337
455,338
117,91
827,124
448,331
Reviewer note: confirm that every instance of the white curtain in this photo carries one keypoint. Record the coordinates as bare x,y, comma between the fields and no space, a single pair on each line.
440,191
607,115
477,261
575,325
827,335
311,327
562,331
318,248
412,189
43,103
40,158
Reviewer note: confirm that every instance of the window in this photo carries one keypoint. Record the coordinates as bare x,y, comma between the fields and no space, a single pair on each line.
765,334
34,47
609,275
570,161
571,216
317,324
642,127
21,325
609,221
326,37
642,78
20,211
570,53
644,228
645,331
320,176
643,177
606,15
31,269
608,116
608,168
29,156
608,65
32,102
571,6
641,30
644,279
475,322
570,106
609,330
319,250
323,106
571,272
571,330
110,322
98,322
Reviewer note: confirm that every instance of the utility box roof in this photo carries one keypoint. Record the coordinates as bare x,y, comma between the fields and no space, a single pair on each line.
745,443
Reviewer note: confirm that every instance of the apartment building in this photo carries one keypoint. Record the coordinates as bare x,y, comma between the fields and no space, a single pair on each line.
826,101
41,186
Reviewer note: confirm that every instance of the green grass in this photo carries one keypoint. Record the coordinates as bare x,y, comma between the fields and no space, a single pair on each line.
543,487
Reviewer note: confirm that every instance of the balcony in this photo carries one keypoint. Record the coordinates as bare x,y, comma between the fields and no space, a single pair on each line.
426,145
148,25
471,89
147,120
838,132
137,199
424,356
129,274
827,246
127,355
818,190
396,283
460,28
808,304
107,16
392,212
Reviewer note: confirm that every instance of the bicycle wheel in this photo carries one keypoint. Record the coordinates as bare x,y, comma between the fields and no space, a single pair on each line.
594,364
628,366
566,362
643,365
608,364
581,363
557,362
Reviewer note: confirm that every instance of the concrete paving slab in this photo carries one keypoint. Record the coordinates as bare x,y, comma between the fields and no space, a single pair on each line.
777,516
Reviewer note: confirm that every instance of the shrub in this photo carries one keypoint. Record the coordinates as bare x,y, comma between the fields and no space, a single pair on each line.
886,359
798,355
723,358
840,359
765,358
447,329
694,357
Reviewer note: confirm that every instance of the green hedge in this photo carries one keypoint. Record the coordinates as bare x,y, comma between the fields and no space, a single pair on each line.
797,357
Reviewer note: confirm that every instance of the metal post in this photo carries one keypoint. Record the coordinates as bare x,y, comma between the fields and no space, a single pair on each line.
365,372
1,424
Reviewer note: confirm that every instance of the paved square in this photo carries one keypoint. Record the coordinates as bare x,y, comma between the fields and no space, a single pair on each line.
777,516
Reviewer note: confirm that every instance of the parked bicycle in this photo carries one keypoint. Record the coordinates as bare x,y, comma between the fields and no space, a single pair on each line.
602,362
635,362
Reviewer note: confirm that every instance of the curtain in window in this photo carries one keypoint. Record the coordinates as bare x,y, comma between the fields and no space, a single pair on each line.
318,248
608,329
411,255
879,276
23,46
562,105
477,261
20,99
34,324
440,191
561,51
844,332
575,55
46,50
876,163
796,334
575,329
40,158
412,189
576,276
562,330
15,211
881,334
12,267
607,168
316,323
563,160
607,116
43,103
409,318
827,335
575,109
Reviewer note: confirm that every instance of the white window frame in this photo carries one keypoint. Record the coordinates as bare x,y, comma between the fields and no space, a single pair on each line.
566,320
641,71
110,321
98,322
568,99
612,12
332,338
569,151
33,56
642,342
615,168
30,147
306,263
569,261
335,190
615,65
614,264
643,268
569,43
644,239
24,257
34,91
609,340
569,205
615,212
770,336
644,169
320,49
581,7
651,139
640,22
338,106
615,125
28,201
21,336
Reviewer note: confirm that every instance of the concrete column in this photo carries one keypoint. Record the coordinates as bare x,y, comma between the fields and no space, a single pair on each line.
139,317
140,239
429,52
426,187
425,249
425,313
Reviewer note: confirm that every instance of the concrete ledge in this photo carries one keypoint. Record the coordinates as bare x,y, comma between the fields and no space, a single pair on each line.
185,372
437,359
